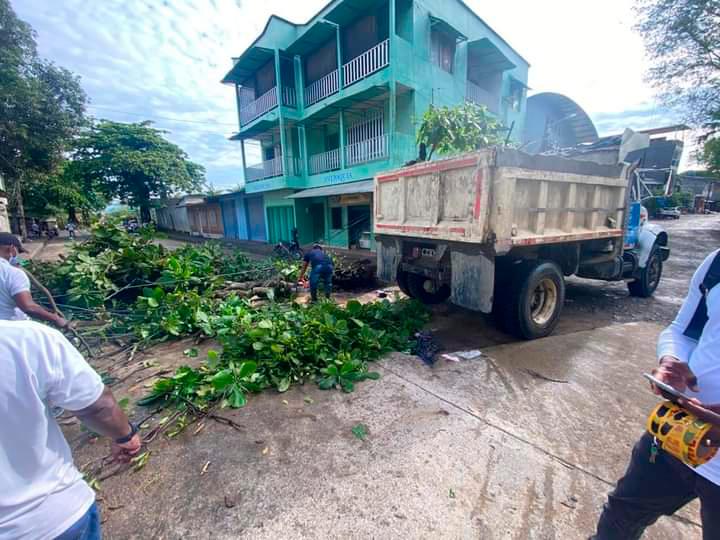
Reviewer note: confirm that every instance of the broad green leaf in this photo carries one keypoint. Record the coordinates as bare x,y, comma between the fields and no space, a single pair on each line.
222,379
246,369
265,324
258,345
237,398
283,384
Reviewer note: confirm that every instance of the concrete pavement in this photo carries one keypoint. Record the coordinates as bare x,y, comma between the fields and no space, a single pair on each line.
494,448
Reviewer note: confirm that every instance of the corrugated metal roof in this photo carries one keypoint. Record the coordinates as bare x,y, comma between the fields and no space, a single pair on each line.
364,186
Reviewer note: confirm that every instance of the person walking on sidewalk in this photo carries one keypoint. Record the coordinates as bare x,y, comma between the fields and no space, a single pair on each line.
322,269
16,302
657,483
43,494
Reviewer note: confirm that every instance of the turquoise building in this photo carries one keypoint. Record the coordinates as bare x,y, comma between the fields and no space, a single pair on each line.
325,105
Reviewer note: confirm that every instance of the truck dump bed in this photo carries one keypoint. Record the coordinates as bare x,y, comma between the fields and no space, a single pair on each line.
502,196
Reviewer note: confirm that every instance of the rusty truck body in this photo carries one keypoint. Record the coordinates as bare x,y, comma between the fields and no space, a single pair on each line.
497,231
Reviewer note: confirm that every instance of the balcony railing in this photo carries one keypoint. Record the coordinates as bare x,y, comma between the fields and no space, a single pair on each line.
272,168
267,102
327,161
322,88
480,96
367,150
367,63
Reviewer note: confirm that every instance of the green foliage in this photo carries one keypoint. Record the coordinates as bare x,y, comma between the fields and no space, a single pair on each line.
463,128
134,163
711,155
288,344
682,39
683,199
42,108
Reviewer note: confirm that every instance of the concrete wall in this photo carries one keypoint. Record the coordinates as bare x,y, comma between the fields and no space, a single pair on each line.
173,218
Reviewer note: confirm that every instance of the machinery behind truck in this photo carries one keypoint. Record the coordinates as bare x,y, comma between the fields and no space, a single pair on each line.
498,230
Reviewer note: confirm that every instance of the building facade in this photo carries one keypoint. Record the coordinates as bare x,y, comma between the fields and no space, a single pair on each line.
325,105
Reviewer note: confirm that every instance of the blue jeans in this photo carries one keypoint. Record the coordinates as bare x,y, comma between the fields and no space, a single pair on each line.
85,528
321,273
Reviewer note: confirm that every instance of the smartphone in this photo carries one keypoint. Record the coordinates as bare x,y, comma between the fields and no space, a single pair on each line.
667,391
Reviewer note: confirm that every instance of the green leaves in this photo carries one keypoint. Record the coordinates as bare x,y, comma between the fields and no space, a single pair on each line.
463,128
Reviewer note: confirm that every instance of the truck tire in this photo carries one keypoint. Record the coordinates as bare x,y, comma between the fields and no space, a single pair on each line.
402,281
426,290
534,300
649,279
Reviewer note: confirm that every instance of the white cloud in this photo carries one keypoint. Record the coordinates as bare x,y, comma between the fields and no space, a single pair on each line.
164,59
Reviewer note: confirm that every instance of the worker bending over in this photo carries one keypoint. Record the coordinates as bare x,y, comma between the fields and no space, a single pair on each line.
321,270
16,302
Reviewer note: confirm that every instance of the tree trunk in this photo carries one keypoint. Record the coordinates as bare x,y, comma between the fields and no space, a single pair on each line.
72,215
20,209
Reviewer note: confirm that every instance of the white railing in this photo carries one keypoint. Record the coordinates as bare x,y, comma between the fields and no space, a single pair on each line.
480,96
289,99
367,63
266,169
259,107
322,88
367,150
327,161
272,168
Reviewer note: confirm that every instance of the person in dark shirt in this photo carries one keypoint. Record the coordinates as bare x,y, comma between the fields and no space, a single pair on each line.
321,269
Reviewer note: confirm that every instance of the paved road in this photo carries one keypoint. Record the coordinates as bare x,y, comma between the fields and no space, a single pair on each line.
523,443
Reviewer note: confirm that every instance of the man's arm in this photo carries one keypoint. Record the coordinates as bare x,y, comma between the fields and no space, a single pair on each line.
76,387
107,418
674,348
27,305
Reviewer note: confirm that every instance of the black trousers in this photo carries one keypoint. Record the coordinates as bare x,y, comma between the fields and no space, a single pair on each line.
650,490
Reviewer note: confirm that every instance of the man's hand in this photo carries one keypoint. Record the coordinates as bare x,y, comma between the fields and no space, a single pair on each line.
61,323
675,373
124,452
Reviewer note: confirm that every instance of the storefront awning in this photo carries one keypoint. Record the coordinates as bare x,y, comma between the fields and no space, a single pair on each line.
366,186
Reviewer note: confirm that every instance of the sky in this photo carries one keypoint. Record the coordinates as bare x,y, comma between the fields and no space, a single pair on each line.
162,60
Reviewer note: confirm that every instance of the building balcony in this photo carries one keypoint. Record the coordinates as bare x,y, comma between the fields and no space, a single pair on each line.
367,63
480,96
324,162
357,69
267,102
272,168
367,150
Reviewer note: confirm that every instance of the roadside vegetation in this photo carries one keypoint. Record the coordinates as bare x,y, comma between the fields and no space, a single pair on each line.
128,293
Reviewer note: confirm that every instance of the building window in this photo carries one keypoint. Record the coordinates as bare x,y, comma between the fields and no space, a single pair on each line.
336,221
442,47
515,95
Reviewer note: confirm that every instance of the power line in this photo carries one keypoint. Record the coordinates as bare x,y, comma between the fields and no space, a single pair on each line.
163,117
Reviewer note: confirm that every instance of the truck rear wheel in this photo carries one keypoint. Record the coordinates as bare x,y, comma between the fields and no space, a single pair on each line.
536,296
649,279
402,281
427,290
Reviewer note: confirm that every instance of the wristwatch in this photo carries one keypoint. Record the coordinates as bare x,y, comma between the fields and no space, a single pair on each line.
127,438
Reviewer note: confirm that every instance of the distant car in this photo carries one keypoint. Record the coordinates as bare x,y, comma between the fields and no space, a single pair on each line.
669,213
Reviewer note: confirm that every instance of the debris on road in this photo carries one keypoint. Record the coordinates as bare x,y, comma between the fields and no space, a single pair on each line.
360,431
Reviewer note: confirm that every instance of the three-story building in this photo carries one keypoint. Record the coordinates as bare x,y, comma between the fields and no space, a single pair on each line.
325,105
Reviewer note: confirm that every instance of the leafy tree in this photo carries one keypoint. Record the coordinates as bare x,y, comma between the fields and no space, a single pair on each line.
682,39
463,128
711,155
42,108
134,163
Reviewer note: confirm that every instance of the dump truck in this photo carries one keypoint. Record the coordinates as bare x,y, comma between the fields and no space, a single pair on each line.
498,230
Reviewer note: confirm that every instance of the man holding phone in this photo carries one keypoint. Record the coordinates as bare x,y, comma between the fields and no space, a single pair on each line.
656,483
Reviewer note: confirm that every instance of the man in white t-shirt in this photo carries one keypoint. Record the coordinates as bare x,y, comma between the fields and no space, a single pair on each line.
656,483
16,302
42,495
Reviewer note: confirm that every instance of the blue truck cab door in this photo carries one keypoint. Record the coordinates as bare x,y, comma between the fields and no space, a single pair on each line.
632,231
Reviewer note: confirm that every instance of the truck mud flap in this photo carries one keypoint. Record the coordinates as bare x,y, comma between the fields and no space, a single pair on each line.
473,280
388,258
